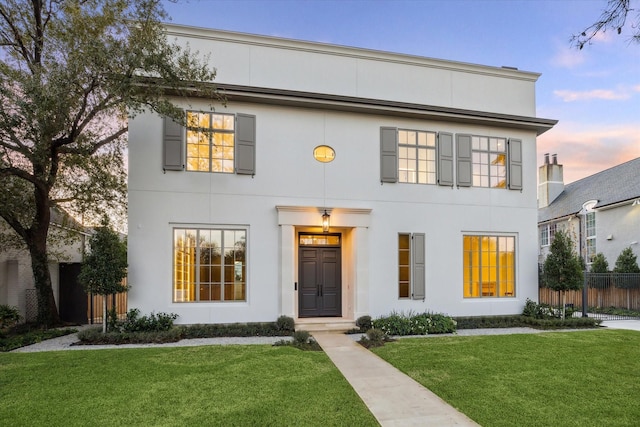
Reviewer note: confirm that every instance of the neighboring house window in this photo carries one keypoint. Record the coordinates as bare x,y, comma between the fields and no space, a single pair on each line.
209,264
411,265
547,233
210,142
416,157
489,266
590,225
489,157
544,235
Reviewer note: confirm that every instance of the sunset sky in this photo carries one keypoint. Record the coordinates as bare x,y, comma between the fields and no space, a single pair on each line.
593,92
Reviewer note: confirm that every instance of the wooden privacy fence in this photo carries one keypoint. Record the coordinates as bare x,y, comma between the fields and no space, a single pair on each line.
603,295
94,306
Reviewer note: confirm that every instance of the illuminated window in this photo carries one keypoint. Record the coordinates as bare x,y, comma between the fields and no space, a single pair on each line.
489,266
404,265
489,157
416,157
209,265
411,265
210,142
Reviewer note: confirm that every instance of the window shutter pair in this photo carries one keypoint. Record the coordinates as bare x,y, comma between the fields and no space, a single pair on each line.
464,166
418,265
389,156
245,145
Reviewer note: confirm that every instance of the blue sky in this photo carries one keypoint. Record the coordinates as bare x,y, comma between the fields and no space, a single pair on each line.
594,92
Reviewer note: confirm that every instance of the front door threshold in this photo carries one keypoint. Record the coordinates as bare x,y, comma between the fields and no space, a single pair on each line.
325,324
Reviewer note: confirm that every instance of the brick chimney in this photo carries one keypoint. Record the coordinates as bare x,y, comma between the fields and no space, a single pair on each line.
550,181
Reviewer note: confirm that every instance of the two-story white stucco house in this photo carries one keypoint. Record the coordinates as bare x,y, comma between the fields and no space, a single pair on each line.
422,170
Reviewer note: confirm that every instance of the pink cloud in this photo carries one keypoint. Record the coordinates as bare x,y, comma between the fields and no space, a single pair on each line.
610,95
584,151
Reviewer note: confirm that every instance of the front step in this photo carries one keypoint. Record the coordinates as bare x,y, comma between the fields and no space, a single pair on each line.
325,325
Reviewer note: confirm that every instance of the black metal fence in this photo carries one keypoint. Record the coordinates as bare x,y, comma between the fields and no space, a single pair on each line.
608,296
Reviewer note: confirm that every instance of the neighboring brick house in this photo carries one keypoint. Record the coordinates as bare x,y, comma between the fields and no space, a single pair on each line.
601,213
422,171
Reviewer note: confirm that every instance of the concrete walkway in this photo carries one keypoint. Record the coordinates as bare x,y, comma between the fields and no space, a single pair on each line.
391,396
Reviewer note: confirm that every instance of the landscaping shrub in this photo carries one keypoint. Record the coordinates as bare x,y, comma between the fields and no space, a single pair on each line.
545,311
286,324
267,329
364,323
301,340
9,316
480,322
151,323
415,324
95,336
374,338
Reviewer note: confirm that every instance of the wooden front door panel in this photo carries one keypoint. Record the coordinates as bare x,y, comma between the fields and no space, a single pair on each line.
319,287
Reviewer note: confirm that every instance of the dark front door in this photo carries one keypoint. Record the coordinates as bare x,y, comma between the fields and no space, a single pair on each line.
73,298
319,287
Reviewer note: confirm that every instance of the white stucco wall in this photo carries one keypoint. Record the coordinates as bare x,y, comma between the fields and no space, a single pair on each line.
250,60
288,175
617,229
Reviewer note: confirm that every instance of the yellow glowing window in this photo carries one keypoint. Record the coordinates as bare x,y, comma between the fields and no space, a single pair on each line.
488,266
210,142
209,265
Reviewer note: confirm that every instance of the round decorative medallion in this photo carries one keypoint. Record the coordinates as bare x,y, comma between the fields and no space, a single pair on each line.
324,153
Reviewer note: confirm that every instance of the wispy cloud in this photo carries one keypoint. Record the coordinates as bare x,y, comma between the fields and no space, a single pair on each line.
604,94
585,150
568,57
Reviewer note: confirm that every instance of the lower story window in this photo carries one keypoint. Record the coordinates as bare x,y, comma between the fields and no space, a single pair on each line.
209,264
489,266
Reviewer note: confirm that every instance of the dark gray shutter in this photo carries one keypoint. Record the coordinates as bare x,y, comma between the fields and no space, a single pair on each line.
172,149
388,154
515,164
445,159
418,265
463,152
245,144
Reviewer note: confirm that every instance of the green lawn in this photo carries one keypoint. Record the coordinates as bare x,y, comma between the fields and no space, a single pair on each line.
580,378
214,385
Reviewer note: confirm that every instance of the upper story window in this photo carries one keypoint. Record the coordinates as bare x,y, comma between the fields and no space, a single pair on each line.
489,158
210,142
416,157
215,143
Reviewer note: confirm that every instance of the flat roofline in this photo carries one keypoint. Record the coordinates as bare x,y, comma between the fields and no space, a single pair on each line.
186,31
378,106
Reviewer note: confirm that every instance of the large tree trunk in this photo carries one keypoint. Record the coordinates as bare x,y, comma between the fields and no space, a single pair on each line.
37,242
47,309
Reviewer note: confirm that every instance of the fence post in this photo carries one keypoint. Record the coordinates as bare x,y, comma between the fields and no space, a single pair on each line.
584,294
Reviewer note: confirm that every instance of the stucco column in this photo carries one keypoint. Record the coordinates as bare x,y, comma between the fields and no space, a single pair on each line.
286,272
361,260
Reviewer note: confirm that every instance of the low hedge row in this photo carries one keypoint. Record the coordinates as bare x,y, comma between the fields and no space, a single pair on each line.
520,321
284,326
25,334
